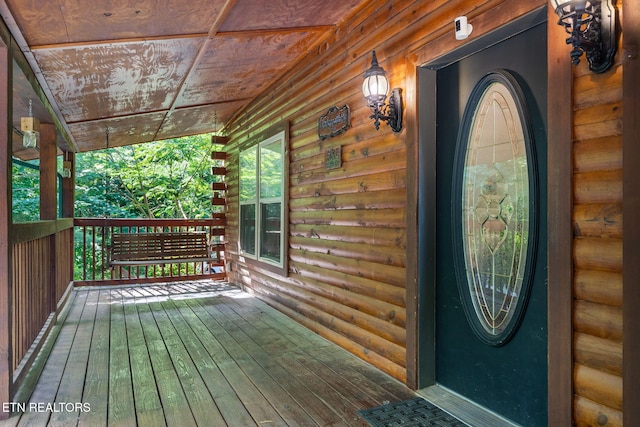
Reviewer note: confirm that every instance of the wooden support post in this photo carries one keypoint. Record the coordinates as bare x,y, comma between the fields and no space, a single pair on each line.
49,199
48,173
6,362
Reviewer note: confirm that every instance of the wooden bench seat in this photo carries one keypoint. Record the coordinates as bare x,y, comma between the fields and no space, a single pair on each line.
159,248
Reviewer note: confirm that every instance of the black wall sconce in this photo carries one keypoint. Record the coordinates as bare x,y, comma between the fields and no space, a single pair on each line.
591,25
375,88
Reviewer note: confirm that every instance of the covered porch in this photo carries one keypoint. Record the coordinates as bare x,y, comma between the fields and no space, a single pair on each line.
351,230
192,353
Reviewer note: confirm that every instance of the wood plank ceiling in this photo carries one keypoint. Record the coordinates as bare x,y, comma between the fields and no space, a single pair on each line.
156,69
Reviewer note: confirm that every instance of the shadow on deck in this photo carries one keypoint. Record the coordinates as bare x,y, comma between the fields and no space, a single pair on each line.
194,353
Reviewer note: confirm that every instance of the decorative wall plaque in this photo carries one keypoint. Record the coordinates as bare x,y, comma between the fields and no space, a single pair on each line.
334,158
336,121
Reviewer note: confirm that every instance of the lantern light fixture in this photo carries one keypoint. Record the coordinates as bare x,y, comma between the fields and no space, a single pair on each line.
375,89
591,25
30,127
66,166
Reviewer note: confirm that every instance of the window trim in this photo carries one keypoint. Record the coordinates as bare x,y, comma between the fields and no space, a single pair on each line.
280,132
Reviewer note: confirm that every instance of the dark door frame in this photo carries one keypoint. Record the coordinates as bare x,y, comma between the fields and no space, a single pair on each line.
560,226
421,302
426,174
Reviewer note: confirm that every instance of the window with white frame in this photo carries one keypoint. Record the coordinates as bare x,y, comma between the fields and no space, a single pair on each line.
261,171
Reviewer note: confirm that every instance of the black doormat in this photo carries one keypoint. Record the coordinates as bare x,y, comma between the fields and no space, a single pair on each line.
409,413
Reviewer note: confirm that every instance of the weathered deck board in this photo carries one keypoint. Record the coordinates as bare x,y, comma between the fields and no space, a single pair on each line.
174,401
96,384
198,353
265,345
214,381
147,400
45,391
72,381
121,408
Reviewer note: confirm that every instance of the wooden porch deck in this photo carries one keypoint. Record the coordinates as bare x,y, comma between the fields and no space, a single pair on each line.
195,353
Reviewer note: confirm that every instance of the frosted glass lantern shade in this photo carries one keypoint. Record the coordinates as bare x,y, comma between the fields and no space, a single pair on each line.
30,139
375,88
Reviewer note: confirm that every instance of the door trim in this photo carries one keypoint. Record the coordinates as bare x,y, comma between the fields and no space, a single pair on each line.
425,192
421,290
560,227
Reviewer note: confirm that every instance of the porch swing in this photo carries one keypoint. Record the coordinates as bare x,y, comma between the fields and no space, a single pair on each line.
133,249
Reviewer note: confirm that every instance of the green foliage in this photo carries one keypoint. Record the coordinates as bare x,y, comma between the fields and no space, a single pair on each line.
164,179
26,192
271,170
248,170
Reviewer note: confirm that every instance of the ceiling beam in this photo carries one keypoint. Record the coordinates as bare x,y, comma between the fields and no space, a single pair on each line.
130,40
137,40
203,49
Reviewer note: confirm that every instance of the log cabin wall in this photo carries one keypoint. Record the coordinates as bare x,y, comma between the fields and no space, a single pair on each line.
350,272
348,226
597,244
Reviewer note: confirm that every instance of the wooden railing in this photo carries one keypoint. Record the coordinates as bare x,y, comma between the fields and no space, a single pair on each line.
42,267
43,255
93,237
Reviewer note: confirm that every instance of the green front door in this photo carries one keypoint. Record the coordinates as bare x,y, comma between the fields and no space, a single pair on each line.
490,282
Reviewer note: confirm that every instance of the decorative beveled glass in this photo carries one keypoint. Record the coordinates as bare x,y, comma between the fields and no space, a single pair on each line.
495,209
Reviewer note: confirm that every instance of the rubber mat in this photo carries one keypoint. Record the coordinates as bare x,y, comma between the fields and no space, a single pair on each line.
409,413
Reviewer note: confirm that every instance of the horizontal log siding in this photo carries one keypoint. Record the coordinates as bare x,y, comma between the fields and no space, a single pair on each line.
347,227
597,219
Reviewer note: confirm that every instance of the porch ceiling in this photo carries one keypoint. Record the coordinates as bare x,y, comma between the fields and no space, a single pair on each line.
151,70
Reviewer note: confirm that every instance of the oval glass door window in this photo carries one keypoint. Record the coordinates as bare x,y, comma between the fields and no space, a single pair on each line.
495,181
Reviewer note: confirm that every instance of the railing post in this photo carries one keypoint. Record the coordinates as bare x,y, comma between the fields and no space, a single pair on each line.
6,133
